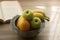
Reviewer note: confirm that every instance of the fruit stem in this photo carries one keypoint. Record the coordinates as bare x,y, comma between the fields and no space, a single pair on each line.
47,18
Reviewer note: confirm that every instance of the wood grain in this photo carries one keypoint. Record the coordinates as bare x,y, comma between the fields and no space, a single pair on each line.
7,33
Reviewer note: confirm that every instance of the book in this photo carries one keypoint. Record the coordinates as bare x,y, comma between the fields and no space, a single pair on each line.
9,9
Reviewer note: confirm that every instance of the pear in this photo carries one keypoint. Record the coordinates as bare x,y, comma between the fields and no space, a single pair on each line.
36,23
23,24
28,14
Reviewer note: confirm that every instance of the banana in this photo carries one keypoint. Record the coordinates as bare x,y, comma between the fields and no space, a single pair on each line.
38,11
41,14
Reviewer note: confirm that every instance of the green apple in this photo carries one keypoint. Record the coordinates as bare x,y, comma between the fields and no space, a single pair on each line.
36,22
27,14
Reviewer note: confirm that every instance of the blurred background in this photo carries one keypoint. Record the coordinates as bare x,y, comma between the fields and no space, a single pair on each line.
51,8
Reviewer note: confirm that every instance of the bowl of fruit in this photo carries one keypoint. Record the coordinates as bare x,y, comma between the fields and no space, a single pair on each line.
30,23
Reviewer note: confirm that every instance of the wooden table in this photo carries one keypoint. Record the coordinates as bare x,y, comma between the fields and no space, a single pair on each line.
7,33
